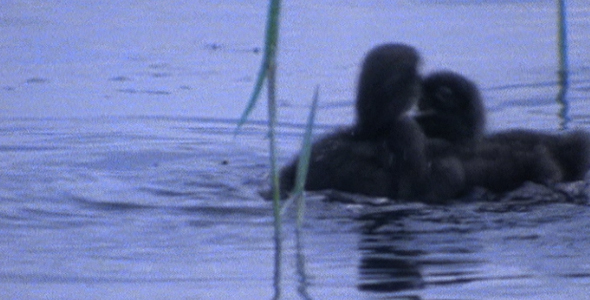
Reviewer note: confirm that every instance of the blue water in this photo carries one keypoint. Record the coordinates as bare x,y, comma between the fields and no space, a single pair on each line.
121,177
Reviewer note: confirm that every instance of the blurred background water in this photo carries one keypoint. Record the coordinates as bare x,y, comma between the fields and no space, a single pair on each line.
121,178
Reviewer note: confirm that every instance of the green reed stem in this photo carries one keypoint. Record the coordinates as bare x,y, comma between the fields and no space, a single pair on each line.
562,42
272,36
303,163
269,57
563,71
272,121
268,71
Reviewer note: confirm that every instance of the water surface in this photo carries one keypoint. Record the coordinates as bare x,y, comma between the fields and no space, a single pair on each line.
121,177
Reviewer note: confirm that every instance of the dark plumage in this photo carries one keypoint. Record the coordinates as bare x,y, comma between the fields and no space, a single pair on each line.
500,166
451,113
388,86
453,117
451,108
346,162
570,151
383,153
505,160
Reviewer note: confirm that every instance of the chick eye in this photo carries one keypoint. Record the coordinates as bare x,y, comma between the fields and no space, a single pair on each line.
445,97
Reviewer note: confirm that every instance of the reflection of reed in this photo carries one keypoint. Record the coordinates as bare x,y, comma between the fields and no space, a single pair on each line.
563,71
302,279
277,265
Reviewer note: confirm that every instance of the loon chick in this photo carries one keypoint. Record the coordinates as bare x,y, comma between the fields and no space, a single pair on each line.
452,115
383,153
451,108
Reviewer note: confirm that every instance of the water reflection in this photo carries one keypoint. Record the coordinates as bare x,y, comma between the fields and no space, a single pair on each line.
407,251
302,278
277,265
385,266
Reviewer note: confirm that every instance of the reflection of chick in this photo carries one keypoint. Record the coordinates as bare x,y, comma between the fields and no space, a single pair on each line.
383,153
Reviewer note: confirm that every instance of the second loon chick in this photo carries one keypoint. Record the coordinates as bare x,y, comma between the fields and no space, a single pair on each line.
451,110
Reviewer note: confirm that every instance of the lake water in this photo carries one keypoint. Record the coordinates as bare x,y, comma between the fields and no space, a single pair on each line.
121,177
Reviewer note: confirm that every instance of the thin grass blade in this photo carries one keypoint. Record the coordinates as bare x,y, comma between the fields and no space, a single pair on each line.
270,46
255,94
563,71
304,156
